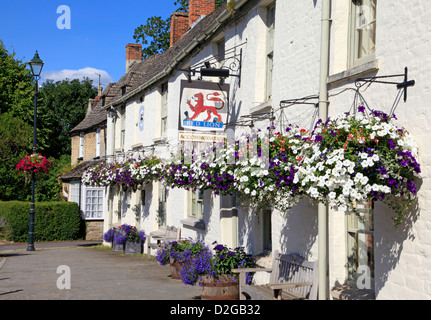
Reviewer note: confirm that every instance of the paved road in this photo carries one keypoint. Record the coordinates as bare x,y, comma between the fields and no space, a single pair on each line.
95,274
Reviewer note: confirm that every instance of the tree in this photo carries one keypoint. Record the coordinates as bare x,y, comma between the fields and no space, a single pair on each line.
62,106
16,140
16,83
155,34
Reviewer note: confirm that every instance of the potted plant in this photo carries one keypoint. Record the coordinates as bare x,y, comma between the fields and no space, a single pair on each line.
213,271
115,238
132,239
176,253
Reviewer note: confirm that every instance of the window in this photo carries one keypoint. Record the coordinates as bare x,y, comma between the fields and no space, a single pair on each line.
196,204
267,234
81,145
362,32
220,52
123,127
360,243
98,142
161,212
74,192
270,24
94,198
164,109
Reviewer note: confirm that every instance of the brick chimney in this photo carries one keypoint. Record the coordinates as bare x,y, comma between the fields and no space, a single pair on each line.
182,21
179,25
133,54
198,8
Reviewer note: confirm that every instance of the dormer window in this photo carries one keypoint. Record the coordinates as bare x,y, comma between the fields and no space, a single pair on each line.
123,90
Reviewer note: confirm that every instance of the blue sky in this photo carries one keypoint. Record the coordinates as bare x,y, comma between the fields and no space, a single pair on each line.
95,42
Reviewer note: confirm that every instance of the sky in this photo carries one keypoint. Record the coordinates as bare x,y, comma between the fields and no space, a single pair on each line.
94,42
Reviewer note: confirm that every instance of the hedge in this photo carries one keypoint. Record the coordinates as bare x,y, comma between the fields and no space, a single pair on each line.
54,221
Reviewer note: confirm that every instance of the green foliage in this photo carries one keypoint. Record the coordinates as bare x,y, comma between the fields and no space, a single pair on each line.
49,186
155,34
16,83
62,106
15,142
54,221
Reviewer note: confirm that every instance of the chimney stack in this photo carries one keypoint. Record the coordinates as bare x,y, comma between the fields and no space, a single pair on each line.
133,54
198,8
181,22
179,26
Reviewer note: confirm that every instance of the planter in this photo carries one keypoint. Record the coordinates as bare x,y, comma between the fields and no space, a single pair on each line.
175,269
117,246
225,288
134,248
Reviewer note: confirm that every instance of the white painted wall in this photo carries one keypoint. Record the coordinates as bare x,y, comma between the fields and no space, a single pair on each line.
402,256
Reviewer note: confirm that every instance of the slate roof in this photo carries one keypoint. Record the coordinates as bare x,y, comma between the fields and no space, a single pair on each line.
98,115
76,173
142,72
154,65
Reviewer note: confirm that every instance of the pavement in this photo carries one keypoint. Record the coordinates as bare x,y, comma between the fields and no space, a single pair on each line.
94,272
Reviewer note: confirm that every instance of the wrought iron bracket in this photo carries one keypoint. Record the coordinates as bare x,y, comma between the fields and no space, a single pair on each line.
400,85
289,102
230,67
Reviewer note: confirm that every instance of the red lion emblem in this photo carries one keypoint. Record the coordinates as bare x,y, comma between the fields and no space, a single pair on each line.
199,107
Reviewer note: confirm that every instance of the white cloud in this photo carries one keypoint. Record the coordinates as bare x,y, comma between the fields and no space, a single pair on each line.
87,72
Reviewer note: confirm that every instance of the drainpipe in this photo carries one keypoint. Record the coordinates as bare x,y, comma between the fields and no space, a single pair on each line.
323,114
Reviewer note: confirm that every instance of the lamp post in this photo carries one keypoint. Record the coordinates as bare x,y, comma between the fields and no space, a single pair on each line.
36,65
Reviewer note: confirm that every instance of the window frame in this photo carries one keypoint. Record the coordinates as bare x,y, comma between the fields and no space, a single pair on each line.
122,126
74,191
162,204
269,51
87,204
163,109
353,42
81,145
195,205
98,142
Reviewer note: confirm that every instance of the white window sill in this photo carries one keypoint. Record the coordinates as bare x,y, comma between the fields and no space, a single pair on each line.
160,140
262,107
137,146
354,72
193,223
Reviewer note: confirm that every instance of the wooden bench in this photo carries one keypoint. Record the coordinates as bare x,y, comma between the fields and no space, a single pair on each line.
292,277
171,234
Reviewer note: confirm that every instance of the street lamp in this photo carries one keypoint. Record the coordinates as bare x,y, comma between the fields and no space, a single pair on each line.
36,65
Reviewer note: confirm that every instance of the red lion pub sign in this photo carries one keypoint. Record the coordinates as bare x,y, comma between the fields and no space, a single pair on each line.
203,106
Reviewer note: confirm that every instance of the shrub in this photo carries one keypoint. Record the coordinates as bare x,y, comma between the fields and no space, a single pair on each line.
54,221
